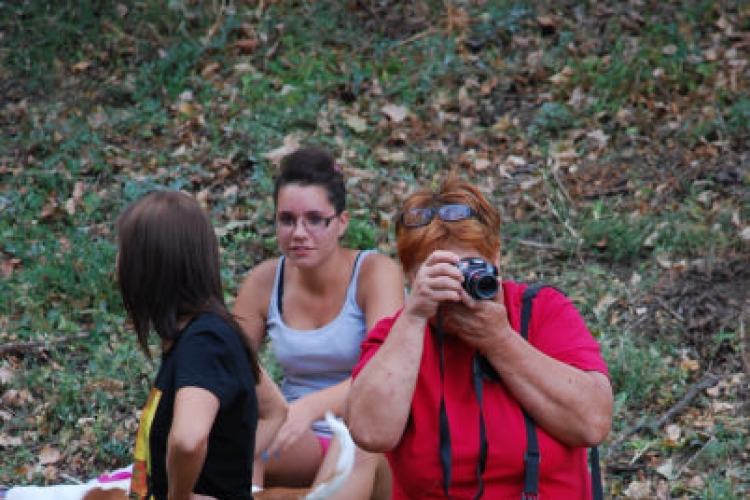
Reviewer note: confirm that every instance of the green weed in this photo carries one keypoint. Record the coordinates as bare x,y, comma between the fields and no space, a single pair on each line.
551,120
360,234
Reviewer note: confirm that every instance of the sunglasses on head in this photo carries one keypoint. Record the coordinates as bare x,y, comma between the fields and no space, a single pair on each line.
417,217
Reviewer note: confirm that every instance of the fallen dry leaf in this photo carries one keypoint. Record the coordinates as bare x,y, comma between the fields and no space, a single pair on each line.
395,113
674,432
9,266
291,144
6,375
9,441
356,123
604,303
562,77
690,365
638,490
49,455
81,66
247,45
600,137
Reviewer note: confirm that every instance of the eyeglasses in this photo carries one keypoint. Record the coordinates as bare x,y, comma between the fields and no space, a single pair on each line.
417,217
312,222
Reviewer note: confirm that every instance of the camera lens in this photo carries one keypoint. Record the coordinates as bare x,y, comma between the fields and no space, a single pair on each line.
480,278
482,286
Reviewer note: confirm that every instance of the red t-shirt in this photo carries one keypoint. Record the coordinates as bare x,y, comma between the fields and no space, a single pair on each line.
557,329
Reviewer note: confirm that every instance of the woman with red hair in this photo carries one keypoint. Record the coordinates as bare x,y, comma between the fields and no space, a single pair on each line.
461,403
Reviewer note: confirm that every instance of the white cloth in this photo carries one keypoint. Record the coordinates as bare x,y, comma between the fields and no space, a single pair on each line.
117,479
121,477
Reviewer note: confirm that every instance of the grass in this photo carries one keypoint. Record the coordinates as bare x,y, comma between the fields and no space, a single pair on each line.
611,141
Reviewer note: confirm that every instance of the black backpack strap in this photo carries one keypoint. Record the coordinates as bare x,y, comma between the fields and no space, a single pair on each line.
526,299
532,458
596,474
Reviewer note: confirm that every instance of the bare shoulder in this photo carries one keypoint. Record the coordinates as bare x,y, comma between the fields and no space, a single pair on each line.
377,265
380,288
257,286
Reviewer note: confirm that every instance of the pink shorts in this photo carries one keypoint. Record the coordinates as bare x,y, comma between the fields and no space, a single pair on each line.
325,442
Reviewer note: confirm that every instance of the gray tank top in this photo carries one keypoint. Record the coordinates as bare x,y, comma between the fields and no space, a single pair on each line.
312,360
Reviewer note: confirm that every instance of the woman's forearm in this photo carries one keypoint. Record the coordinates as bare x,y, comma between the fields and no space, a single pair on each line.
570,404
187,445
330,399
272,411
379,401
183,467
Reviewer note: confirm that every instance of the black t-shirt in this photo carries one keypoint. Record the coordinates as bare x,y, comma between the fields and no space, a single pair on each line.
209,354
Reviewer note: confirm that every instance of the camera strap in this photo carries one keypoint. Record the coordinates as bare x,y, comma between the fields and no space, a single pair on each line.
445,433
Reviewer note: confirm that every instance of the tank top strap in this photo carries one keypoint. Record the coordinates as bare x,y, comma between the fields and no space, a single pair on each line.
278,286
351,293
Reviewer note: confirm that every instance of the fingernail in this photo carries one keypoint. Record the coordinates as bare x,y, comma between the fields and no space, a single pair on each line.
265,455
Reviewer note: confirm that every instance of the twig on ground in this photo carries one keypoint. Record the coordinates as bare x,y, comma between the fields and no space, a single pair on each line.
416,37
536,244
564,221
602,193
671,311
70,478
705,383
561,186
31,345
640,453
687,463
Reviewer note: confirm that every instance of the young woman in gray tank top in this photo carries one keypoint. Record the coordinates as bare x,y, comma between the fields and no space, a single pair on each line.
316,303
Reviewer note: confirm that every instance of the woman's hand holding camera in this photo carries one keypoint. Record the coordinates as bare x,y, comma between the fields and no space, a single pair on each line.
437,281
482,323
439,284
